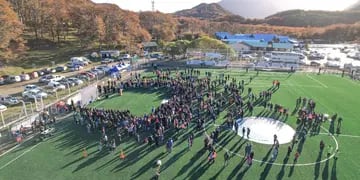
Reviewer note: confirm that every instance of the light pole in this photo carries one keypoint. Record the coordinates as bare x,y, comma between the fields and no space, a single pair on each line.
57,97
69,87
35,101
42,103
24,107
31,107
2,116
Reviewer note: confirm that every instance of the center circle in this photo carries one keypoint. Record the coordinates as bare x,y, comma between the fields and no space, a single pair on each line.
262,130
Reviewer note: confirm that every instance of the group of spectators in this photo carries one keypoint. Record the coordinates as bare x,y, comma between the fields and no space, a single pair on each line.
194,99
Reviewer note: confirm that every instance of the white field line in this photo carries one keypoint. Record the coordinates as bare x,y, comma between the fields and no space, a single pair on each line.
11,149
290,164
99,104
322,84
18,157
342,135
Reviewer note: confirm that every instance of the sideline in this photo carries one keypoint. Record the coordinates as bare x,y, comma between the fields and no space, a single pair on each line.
18,157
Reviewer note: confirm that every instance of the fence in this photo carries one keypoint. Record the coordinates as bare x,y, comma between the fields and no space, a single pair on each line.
16,121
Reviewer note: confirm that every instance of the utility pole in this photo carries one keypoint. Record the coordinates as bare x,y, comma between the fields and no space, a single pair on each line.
153,5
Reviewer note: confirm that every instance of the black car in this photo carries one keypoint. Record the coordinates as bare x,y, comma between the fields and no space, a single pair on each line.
49,70
40,73
61,68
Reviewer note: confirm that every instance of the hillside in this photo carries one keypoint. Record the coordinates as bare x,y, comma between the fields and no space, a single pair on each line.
39,34
250,8
205,11
355,7
302,18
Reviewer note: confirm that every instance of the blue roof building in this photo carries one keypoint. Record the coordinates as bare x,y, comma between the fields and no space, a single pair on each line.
257,41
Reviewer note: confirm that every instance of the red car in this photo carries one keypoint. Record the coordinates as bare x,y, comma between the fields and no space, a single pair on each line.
89,74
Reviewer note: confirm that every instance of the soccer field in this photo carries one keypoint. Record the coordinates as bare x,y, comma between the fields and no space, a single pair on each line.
60,157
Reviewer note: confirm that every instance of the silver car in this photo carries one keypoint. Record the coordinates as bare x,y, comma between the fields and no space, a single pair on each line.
9,100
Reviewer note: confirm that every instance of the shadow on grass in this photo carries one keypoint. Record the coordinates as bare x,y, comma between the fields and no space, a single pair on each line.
317,166
266,171
266,157
281,174
325,173
187,166
147,166
237,168
333,171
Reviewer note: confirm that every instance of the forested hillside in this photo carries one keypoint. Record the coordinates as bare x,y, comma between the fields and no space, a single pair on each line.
302,18
27,24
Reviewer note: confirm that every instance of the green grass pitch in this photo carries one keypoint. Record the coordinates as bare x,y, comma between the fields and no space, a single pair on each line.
60,157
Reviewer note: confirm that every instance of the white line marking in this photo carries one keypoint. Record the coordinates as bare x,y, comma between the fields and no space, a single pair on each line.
21,155
280,164
99,104
342,135
322,84
16,146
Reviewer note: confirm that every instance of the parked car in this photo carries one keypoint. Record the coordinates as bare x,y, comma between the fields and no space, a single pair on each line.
13,79
83,77
97,72
48,78
56,86
2,81
89,74
76,68
82,61
107,61
125,57
66,82
76,81
103,68
9,100
34,75
3,108
31,87
34,93
40,73
49,70
61,68
24,77
86,60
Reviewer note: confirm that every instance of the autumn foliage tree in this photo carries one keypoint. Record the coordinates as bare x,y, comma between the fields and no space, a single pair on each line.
161,26
11,29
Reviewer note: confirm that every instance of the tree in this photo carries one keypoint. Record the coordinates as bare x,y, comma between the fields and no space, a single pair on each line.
207,43
160,26
177,48
183,45
172,49
11,29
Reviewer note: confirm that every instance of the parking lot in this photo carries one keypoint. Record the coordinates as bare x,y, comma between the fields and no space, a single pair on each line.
55,86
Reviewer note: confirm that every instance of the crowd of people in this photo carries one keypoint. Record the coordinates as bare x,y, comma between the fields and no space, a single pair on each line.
193,100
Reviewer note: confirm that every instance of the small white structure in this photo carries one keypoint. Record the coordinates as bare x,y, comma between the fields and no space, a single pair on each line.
286,57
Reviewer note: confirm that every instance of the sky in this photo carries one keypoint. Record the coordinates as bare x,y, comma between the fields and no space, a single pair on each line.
169,6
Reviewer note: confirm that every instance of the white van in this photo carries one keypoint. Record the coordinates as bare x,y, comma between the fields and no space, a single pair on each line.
13,79
78,61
